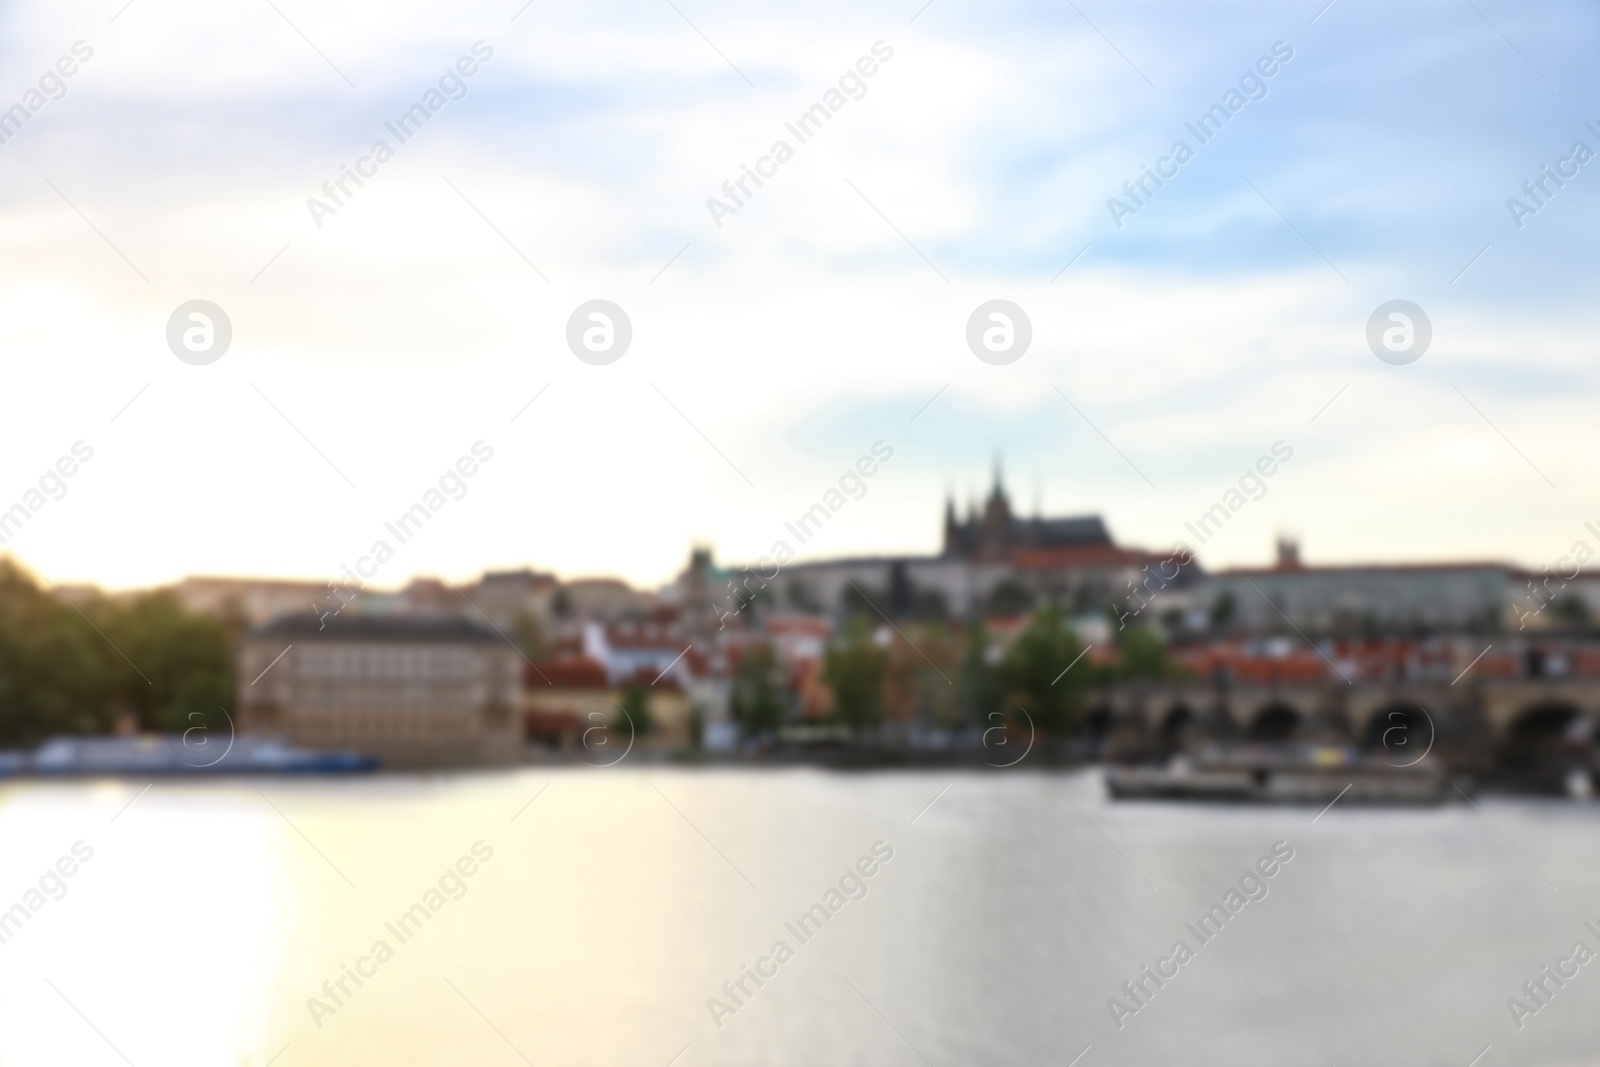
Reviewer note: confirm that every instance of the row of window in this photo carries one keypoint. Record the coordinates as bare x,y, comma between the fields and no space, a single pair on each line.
386,664
366,727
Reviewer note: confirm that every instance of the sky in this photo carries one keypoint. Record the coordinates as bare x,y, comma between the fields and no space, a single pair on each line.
378,338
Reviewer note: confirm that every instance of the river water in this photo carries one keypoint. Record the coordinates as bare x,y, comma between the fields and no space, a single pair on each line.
581,916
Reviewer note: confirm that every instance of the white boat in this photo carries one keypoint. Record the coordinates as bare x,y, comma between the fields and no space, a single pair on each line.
1283,774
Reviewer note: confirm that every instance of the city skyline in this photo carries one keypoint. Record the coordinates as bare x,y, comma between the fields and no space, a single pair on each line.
589,472
958,535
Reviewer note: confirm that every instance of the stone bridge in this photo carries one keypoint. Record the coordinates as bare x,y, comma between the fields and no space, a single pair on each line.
1520,726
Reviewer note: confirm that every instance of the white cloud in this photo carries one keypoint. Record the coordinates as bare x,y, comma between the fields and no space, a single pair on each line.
806,327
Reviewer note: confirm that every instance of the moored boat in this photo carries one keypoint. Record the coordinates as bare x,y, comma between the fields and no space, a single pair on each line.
170,755
1283,774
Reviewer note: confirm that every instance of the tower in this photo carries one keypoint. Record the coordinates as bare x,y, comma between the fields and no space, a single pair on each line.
952,526
994,538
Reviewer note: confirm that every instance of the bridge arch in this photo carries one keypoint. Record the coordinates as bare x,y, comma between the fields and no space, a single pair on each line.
1177,726
1402,729
1218,721
1538,744
1097,722
1274,722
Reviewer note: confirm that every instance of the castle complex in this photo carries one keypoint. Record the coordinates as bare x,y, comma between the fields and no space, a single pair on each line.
994,533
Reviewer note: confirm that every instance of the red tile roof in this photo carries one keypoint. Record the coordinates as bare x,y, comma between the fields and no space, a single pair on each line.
576,673
1080,556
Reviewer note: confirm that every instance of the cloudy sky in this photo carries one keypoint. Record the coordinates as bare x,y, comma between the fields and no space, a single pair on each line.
374,345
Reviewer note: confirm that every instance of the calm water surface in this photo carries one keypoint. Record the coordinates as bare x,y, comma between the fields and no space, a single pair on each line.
592,925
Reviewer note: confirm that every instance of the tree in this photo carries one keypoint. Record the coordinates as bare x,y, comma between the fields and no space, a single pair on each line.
1010,597
979,681
67,678
69,669
758,698
857,600
1035,674
920,683
854,669
528,634
1143,655
636,709
177,665
1222,609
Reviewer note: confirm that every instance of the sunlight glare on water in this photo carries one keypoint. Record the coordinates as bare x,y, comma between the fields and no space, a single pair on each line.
597,917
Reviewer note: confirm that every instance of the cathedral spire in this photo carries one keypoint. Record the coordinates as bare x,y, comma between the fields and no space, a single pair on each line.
952,525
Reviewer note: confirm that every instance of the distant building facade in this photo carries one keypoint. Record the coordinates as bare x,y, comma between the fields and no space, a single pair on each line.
1472,596
600,598
412,691
1445,596
508,597
255,600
